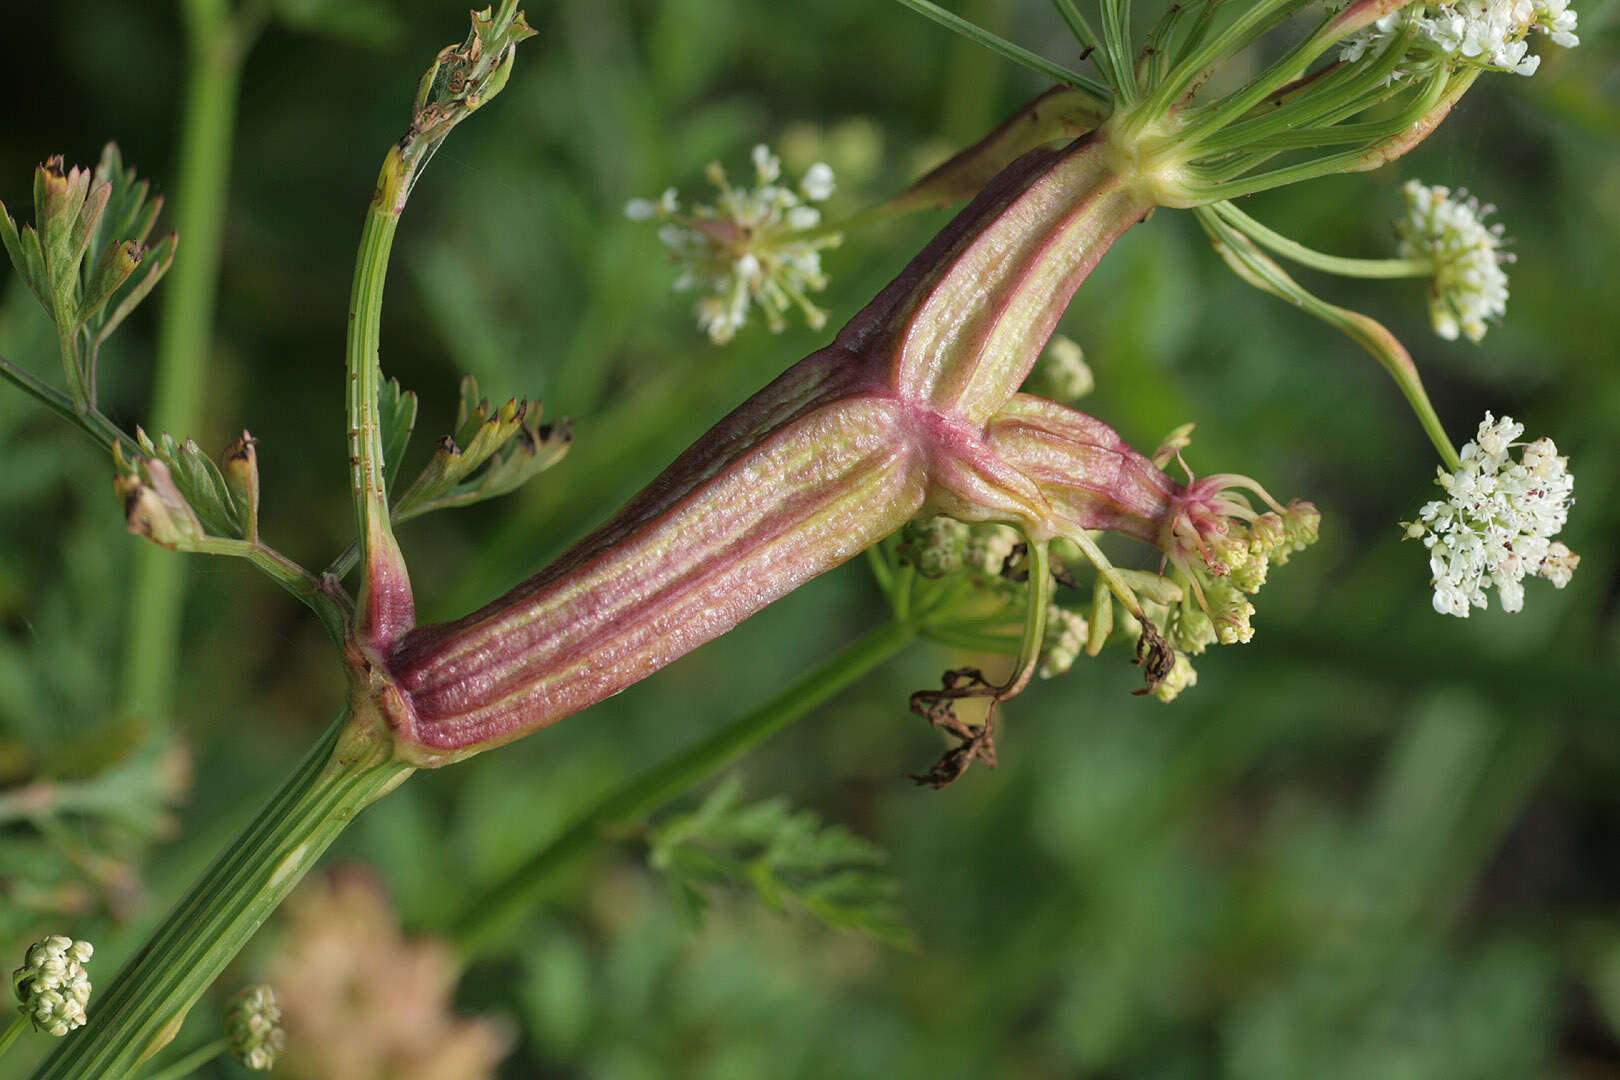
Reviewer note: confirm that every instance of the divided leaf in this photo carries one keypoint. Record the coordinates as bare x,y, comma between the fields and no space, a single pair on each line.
789,859
396,418
494,450
202,485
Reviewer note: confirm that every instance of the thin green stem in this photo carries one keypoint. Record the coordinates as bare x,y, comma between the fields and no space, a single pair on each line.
1333,94
1116,24
900,597
1285,70
377,544
991,643
147,1001
1001,46
1160,41
189,1064
9,1036
1253,266
1090,43
482,66
1250,24
1316,260
217,45
67,342
328,605
90,421
495,910
1034,635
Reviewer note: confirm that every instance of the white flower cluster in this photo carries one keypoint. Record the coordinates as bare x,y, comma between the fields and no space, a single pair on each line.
53,985
758,245
1496,523
1062,373
988,547
1065,638
1488,34
1469,285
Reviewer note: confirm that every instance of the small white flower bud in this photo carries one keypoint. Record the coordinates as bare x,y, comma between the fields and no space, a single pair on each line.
253,1027
818,183
52,984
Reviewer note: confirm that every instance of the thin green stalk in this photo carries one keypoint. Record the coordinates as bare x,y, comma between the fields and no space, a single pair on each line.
11,1033
905,579
990,643
1001,46
90,421
218,43
1089,41
1160,41
329,606
1116,24
1335,94
1243,255
1252,23
370,493
1294,251
481,68
146,1003
190,1063
1278,75
498,908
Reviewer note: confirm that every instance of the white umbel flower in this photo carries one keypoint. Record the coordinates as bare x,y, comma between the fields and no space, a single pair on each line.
1469,284
1495,525
756,246
53,985
1487,34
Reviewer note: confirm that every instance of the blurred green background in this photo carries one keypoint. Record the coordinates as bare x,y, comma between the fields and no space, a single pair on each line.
1375,842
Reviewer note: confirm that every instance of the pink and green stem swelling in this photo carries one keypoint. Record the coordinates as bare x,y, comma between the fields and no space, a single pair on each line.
901,414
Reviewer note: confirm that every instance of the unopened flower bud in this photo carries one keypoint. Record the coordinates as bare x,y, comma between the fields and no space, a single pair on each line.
155,509
988,548
52,984
933,545
1062,373
1180,678
1066,633
253,1027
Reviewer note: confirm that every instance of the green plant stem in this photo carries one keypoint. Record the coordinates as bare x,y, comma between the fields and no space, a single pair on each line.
90,421
9,1036
1316,260
329,606
190,1063
1088,39
217,44
147,1001
365,373
496,909
1002,47
1244,256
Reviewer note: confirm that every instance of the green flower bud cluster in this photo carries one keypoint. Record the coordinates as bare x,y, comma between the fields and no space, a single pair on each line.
933,546
52,984
1222,558
253,1028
